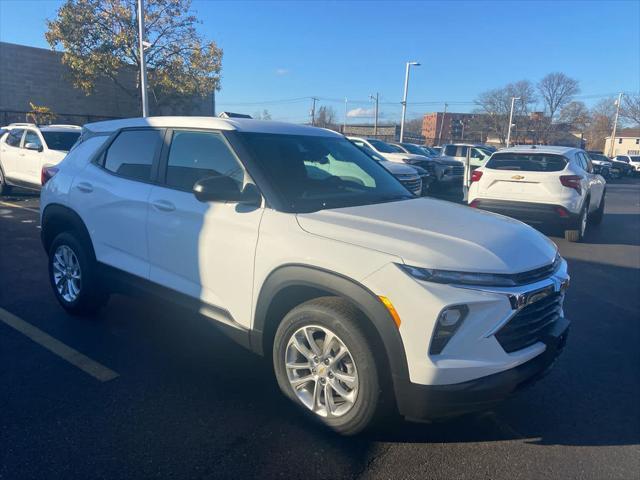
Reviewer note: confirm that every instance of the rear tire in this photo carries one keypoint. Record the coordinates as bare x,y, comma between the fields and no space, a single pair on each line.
322,317
5,188
73,276
596,217
577,234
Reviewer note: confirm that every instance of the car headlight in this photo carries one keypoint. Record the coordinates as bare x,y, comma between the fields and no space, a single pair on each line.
469,278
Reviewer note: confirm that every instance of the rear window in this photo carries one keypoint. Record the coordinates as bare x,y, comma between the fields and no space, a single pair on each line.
527,162
62,141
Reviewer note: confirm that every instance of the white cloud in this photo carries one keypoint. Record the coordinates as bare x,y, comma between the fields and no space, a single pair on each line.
360,112
281,72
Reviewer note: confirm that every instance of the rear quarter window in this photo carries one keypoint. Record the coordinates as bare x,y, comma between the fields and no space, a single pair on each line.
527,162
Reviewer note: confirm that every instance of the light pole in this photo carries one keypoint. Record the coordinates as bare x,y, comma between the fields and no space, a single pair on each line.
513,101
404,98
344,125
375,119
143,65
615,125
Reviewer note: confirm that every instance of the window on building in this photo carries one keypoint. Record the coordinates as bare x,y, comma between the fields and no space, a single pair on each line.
619,140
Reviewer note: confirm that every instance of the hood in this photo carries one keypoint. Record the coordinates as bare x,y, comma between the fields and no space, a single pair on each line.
436,234
398,168
399,157
449,161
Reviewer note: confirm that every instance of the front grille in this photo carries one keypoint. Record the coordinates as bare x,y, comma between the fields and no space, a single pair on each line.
457,170
536,275
531,324
413,184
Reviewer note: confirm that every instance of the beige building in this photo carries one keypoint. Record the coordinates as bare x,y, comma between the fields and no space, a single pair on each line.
626,142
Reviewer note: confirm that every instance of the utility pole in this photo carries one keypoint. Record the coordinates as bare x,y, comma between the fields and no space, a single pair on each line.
404,98
143,65
344,126
462,136
513,101
313,111
375,110
444,115
615,125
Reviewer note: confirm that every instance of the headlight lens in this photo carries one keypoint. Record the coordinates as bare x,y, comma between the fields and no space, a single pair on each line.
470,278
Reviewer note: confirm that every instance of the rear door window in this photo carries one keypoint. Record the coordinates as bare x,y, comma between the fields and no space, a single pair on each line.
527,162
132,153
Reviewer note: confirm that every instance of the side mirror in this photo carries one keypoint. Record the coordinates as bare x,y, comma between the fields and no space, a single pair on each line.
225,189
33,146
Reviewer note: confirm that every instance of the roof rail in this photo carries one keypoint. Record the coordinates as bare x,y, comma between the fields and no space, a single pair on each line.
23,124
62,125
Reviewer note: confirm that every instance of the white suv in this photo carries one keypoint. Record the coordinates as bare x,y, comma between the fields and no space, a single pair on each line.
27,148
553,186
633,160
364,297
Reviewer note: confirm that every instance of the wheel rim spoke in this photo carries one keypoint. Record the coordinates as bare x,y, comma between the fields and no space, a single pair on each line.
308,333
66,273
349,380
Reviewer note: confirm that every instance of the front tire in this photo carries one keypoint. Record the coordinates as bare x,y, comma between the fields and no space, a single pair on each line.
323,361
73,276
5,188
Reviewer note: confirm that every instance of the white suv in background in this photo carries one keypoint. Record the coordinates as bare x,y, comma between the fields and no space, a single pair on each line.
364,297
553,186
27,148
479,154
633,160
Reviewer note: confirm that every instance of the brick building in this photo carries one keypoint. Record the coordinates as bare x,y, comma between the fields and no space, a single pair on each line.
452,124
37,75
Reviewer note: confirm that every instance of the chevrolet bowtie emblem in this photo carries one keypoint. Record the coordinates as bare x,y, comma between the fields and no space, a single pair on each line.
517,177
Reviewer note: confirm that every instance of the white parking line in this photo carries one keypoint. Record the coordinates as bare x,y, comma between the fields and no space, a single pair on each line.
7,204
84,363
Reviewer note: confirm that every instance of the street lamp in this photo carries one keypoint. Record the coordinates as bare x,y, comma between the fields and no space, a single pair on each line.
513,101
404,98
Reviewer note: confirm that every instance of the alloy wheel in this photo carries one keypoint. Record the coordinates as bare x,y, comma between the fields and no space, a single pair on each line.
321,371
66,273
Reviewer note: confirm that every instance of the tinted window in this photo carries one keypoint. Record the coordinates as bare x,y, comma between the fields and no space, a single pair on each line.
62,141
14,137
450,150
527,162
413,148
196,155
316,172
635,158
599,156
383,147
132,152
32,137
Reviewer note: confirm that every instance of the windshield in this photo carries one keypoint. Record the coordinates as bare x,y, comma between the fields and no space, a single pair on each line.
429,150
635,158
314,173
413,148
383,147
598,156
62,141
527,162
372,153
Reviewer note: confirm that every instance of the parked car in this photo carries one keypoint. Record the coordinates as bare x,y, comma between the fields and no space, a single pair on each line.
389,152
407,174
445,171
438,150
602,165
349,284
479,153
632,160
27,148
553,186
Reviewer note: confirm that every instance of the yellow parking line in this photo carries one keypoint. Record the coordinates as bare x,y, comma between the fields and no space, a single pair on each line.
7,204
55,346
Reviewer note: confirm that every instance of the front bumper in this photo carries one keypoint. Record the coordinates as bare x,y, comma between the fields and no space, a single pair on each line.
432,402
530,213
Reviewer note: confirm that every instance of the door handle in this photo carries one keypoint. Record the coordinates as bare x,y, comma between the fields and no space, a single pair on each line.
85,187
163,205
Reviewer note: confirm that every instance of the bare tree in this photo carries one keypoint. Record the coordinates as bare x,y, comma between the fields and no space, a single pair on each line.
576,115
326,117
600,123
556,90
265,115
630,108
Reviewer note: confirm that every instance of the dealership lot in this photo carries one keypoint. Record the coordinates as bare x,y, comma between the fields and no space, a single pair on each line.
184,401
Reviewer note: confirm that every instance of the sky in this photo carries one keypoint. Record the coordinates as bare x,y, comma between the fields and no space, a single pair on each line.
279,54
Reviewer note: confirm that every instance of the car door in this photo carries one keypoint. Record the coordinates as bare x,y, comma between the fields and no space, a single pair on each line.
204,250
31,159
111,196
10,153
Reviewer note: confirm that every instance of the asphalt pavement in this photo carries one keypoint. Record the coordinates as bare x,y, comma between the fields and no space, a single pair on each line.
186,402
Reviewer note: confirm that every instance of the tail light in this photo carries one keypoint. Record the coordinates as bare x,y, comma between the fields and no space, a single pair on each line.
47,174
474,204
572,181
476,175
562,212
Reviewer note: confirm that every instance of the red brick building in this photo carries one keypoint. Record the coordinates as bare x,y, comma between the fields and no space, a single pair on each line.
452,124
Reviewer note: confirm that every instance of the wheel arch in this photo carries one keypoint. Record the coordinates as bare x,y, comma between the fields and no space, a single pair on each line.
58,218
291,285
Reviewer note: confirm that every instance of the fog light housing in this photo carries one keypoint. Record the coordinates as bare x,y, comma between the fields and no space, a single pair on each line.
447,324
